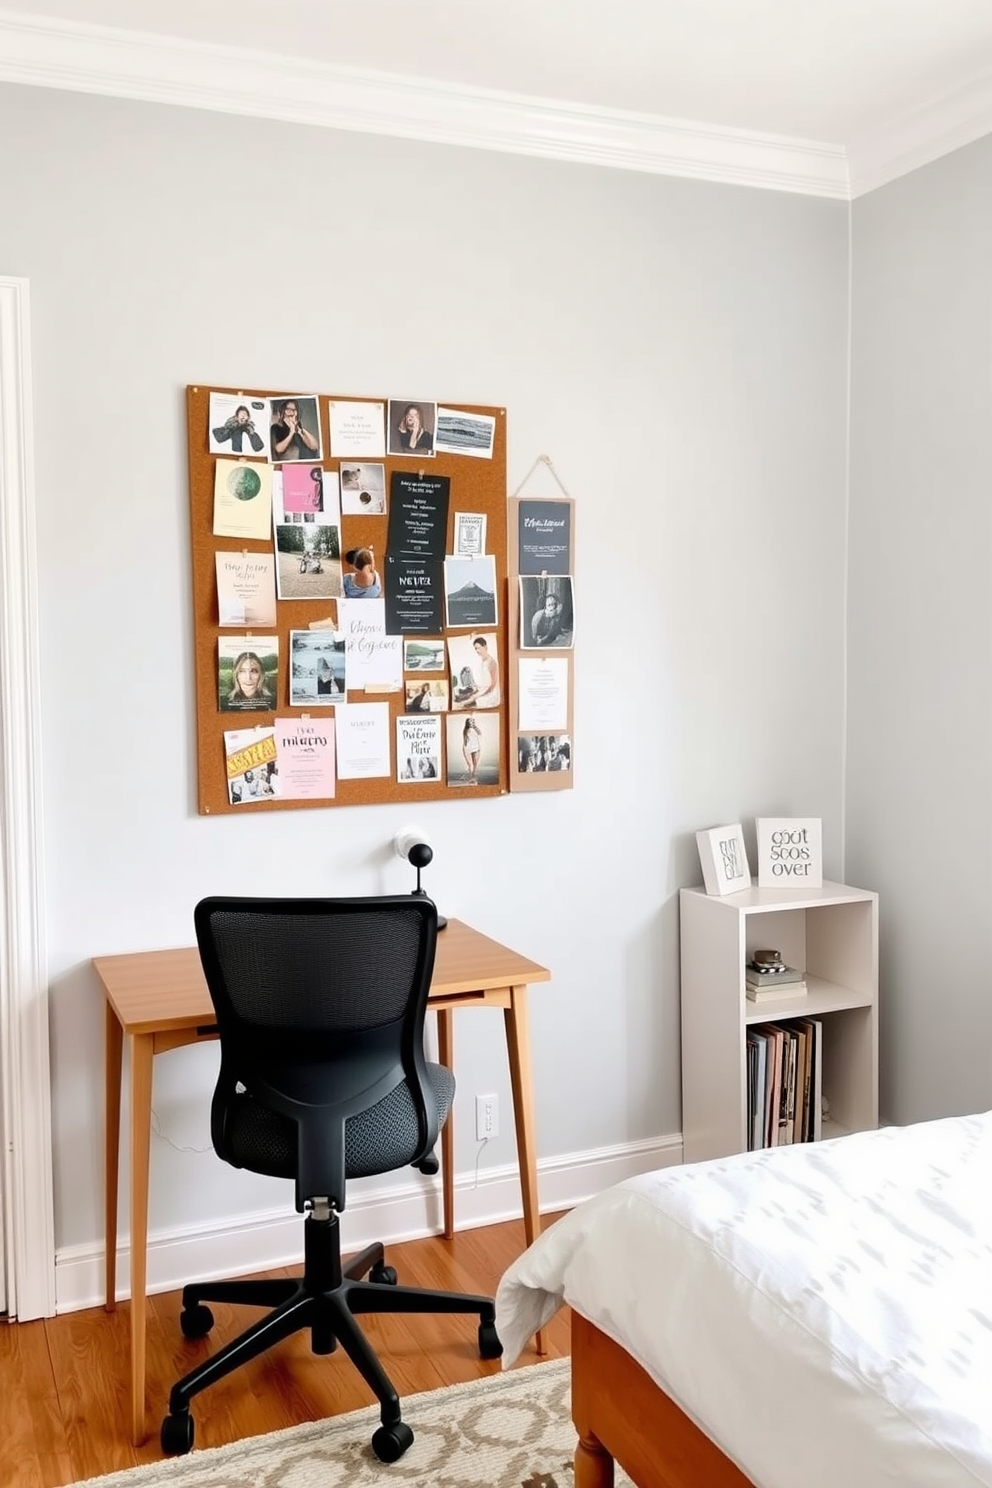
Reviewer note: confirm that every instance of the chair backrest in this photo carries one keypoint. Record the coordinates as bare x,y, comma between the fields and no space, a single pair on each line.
320,1005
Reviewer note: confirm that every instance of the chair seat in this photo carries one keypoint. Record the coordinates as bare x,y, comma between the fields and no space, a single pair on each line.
376,1141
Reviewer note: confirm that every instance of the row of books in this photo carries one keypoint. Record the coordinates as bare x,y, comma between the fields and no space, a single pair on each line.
784,1082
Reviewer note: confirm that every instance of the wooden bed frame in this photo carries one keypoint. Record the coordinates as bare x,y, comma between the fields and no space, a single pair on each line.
622,1416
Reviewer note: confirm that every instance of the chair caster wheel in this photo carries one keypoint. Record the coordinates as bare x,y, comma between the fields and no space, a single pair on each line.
489,1344
385,1276
390,1442
196,1321
177,1434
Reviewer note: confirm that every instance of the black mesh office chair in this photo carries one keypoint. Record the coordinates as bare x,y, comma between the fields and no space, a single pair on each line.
320,1006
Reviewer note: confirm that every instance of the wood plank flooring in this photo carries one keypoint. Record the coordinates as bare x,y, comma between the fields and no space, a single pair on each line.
64,1406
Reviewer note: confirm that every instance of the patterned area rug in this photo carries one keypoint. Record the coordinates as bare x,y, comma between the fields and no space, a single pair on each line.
510,1430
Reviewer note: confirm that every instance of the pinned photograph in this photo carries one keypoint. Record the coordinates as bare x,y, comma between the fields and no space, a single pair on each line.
540,753
316,668
361,579
238,424
358,429
473,749
242,499
460,432
418,749
547,616
426,697
302,488
294,429
308,560
423,656
474,668
470,591
247,673
363,489
411,427
251,765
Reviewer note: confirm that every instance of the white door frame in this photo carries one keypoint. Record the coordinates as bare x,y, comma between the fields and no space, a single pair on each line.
28,1237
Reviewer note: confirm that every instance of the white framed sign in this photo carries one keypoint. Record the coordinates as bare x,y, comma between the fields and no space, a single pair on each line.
723,858
790,852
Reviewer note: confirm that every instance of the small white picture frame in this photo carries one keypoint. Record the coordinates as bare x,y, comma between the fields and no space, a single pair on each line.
790,852
723,858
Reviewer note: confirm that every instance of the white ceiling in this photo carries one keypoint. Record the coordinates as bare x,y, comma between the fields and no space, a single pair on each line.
877,84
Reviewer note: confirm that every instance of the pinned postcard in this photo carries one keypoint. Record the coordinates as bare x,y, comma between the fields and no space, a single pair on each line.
426,697
473,749
423,656
246,589
373,659
316,668
411,427
362,734
363,489
474,667
294,430
242,499
307,488
418,749
358,430
308,557
464,432
251,765
237,424
470,534
305,754
470,591
247,673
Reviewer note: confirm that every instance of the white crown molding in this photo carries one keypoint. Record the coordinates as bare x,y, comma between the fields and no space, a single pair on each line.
117,63
942,124
405,1211
25,1117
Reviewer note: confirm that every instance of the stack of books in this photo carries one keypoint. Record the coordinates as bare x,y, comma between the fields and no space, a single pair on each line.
773,983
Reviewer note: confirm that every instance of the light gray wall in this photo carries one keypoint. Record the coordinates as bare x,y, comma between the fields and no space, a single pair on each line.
919,797
677,348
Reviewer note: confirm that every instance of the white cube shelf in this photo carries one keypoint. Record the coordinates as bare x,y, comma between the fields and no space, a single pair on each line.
831,934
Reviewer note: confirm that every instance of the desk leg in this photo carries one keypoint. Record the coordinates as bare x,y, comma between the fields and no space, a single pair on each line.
446,1055
142,1047
522,1086
113,1049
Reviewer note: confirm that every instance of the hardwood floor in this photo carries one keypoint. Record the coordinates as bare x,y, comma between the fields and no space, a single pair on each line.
64,1407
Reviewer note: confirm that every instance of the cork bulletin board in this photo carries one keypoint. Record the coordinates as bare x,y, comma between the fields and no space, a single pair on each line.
477,488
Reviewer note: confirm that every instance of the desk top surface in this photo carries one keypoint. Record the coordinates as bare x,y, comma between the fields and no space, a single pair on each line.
155,991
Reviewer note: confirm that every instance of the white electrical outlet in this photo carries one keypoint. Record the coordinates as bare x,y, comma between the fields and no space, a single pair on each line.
486,1117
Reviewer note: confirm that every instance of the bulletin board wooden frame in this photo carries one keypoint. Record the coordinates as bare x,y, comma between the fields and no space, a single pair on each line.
524,780
477,485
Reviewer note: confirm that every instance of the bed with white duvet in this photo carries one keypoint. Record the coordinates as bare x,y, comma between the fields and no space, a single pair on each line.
823,1312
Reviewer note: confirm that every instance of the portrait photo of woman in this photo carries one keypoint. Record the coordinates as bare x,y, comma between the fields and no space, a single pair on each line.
246,678
411,427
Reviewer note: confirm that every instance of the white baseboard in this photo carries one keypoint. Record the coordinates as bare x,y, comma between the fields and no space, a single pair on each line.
408,1211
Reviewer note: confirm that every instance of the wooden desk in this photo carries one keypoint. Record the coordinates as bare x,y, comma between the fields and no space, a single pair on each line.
159,1001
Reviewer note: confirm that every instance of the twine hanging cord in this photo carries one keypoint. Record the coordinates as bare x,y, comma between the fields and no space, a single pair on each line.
542,460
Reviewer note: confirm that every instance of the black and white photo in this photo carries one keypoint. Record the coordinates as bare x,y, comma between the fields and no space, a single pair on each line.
547,612
461,432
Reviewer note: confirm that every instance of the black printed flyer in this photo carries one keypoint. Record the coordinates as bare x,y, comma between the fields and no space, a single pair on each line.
414,567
